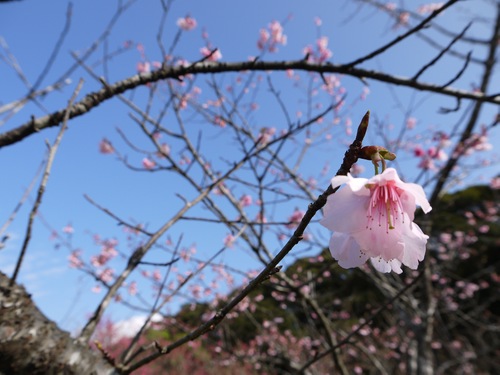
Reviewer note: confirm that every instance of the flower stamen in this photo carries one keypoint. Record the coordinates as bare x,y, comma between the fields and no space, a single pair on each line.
384,201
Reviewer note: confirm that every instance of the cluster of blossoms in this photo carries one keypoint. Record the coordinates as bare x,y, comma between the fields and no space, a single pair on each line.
433,154
108,252
476,142
270,38
373,219
319,54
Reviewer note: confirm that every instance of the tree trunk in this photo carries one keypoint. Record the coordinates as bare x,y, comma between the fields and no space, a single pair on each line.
32,344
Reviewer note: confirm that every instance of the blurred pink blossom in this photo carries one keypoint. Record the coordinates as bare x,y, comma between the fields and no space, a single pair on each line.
356,170
96,289
143,67
219,121
429,8
106,275
390,6
156,275
411,122
132,288
295,218
323,52
75,260
266,134
229,240
68,229
165,150
211,55
484,228
445,238
263,39
403,19
245,200
495,183
418,151
187,23
374,219
148,163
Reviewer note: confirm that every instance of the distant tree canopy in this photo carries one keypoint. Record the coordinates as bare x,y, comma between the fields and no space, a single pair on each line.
338,291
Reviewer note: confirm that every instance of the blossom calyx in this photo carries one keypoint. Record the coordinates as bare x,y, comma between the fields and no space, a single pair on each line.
376,153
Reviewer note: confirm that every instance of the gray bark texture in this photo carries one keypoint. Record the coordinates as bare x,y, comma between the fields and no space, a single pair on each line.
32,344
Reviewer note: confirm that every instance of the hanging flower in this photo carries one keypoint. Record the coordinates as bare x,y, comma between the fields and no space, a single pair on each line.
374,219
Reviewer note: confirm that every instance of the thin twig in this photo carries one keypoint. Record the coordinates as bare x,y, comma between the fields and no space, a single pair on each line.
43,184
351,156
401,37
441,54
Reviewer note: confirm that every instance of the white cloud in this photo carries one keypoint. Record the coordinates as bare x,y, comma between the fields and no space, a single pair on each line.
129,327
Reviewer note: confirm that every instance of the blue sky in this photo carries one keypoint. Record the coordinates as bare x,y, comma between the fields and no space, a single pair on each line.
31,28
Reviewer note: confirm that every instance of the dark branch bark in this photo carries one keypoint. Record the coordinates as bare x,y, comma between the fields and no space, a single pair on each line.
92,100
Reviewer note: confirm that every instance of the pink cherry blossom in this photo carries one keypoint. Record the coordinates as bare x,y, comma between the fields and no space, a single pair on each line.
418,151
411,122
390,6
245,200
263,38
374,219
68,229
165,150
143,67
495,183
74,259
229,240
403,19
96,289
324,52
106,275
295,219
211,55
187,23
157,275
429,8
356,170
271,38
132,288
148,163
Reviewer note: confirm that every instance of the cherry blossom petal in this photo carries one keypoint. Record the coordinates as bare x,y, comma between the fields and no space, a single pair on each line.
385,266
379,242
415,242
409,206
339,180
419,194
348,206
346,251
